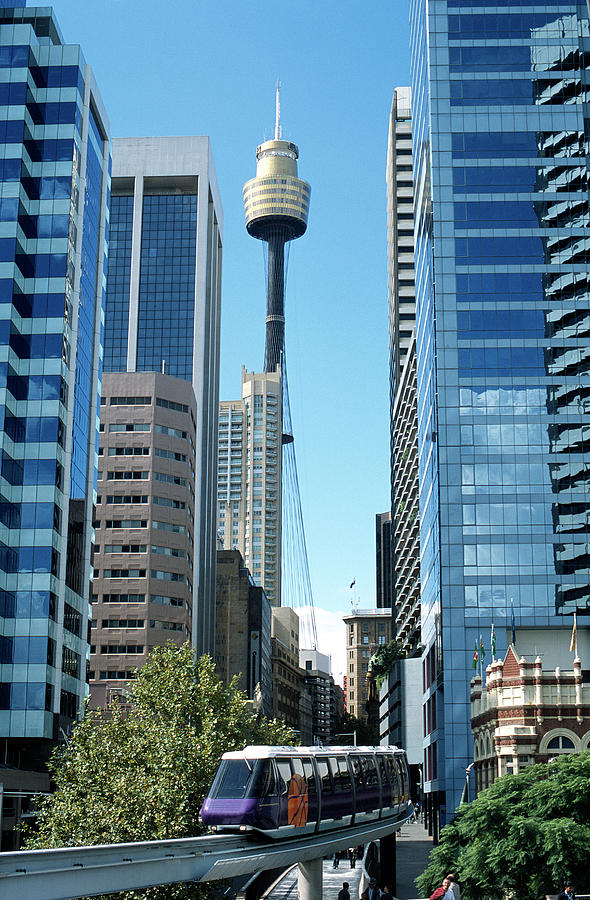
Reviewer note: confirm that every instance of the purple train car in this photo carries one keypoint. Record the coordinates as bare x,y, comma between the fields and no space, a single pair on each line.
285,790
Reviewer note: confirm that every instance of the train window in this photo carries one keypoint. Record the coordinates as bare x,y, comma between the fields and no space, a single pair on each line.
231,779
284,767
370,771
402,777
395,787
324,773
309,776
357,772
383,770
263,781
343,777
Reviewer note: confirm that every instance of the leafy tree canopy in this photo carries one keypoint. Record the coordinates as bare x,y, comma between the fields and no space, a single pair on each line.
366,735
142,775
383,659
523,837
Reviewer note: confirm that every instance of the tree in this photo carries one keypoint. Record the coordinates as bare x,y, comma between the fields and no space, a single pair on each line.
346,727
143,775
523,837
383,660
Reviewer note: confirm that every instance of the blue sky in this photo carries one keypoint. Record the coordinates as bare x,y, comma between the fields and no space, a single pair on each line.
202,67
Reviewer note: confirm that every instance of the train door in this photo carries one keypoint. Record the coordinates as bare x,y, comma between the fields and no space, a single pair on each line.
395,782
283,781
363,808
302,802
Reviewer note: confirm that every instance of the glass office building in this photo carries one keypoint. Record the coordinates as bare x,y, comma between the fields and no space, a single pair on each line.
54,182
502,344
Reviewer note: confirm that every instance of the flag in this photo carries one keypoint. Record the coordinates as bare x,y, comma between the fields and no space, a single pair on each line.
493,641
475,655
352,583
574,640
512,626
482,651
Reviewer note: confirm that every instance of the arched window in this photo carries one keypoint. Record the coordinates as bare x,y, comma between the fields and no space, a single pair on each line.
561,742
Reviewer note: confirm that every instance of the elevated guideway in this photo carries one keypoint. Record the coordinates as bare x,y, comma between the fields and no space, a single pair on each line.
69,872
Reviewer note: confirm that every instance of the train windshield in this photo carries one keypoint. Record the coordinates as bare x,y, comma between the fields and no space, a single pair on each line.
239,778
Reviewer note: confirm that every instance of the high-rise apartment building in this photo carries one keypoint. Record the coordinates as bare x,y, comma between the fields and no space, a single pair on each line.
502,343
163,304
249,478
366,631
317,679
54,177
143,592
286,674
405,537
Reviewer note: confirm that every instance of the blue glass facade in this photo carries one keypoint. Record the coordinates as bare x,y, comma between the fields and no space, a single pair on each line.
118,279
53,230
503,351
167,284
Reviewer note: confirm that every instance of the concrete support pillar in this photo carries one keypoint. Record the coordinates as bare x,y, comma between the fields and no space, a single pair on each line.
309,883
387,860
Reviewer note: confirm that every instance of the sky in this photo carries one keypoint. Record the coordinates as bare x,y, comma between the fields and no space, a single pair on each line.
204,67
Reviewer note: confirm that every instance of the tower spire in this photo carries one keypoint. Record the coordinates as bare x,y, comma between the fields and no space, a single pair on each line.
278,112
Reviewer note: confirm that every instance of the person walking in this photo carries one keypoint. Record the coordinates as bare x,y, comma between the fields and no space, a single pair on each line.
387,892
344,894
454,886
372,892
444,892
567,893
352,857
335,861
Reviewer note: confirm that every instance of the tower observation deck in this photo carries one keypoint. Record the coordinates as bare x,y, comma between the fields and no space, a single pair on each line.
276,205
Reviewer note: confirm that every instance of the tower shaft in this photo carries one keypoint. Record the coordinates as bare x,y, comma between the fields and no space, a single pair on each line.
275,300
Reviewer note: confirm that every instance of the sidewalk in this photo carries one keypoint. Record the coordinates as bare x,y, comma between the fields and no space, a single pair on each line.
412,852
333,880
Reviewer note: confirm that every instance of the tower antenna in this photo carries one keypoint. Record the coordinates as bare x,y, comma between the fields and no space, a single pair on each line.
278,112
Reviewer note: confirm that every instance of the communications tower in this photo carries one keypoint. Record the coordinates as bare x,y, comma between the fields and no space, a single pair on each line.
276,204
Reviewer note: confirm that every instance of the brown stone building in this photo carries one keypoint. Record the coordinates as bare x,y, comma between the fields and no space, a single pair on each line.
142,593
242,629
366,631
527,714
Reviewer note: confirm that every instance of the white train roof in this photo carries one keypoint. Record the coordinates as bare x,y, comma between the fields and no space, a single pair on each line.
267,752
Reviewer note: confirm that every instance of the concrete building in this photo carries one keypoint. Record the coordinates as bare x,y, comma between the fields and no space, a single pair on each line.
286,674
525,714
400,719
317,677
502,290
249,478
55,180
143,591
242,625
366,631
163,304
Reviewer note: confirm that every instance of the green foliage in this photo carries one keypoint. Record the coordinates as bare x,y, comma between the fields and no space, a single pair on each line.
383,659
143,775
366,735
522,837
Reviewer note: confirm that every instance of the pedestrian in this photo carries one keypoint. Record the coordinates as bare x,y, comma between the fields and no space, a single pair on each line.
444,892
352,857
372,892
344,894
387,892
568,892
335,860
454,886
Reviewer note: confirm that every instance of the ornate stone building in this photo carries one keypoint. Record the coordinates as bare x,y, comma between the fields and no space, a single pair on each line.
527,714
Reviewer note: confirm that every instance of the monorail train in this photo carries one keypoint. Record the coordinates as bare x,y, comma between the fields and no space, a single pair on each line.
285,790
